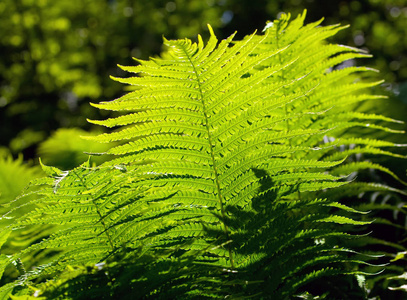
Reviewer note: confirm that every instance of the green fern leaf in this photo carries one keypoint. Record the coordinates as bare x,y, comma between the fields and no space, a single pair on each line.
215,187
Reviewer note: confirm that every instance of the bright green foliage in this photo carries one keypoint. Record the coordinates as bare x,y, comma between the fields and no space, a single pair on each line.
57,55
377,25
67,149
14,176
227,152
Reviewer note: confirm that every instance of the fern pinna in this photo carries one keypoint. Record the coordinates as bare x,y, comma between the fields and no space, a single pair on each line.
216,188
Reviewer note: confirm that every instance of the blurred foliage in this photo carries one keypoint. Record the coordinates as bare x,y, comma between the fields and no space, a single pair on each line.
66,149
58,55
14,176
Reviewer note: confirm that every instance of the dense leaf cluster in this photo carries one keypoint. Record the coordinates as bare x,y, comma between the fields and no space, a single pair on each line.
226,179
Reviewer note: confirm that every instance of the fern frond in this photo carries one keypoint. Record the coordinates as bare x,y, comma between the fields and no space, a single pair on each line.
218,173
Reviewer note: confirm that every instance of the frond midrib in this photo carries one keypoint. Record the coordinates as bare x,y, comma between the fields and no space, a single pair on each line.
211,150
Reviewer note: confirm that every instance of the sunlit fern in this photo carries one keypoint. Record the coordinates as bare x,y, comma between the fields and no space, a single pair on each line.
216,189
